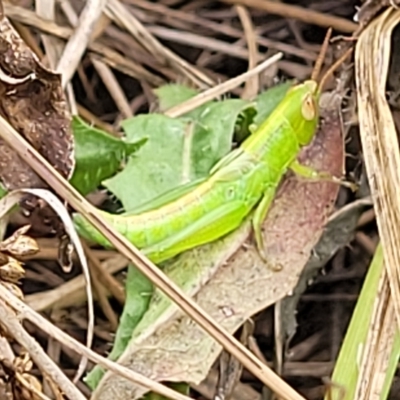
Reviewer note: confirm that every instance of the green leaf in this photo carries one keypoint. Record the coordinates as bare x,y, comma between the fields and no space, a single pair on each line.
3,191
157,166
173,95
268,100
98,155
347,367
214,133
138,294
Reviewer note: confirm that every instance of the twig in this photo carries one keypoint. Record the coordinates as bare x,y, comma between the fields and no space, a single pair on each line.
104,277
5,349
201,42
104,303
219,28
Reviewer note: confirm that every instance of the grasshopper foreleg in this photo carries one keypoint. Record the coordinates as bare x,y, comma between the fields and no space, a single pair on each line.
311,174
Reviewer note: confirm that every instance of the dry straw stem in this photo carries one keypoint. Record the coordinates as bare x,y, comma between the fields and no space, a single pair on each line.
121,16
218,90
72,292
252,84
109,56
79,40
381,153
40,165
379,140
177,17
104,71
299,13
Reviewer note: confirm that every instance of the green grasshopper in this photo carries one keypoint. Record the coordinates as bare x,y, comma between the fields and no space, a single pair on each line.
245,180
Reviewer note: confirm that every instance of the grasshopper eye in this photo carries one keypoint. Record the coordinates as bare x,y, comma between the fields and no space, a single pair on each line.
308,107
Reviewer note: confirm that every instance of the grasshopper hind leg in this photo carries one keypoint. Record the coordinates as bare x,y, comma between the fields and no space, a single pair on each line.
257,221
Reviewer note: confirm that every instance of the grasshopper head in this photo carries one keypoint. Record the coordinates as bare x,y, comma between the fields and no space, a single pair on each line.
305,110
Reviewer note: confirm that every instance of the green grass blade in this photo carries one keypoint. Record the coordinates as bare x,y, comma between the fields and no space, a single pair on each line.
346,372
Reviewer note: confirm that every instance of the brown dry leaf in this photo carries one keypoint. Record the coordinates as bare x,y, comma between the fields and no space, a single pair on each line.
168,348
33,102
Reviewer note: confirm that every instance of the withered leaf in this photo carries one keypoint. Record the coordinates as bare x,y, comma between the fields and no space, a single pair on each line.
19,244
33,102
12,272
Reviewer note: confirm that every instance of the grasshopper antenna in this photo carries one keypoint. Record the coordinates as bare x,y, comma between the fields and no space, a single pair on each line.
333,68
321,56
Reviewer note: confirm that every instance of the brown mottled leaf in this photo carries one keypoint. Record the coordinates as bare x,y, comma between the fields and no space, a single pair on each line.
32,101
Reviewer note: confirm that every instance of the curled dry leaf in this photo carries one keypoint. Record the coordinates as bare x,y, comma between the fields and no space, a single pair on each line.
16,381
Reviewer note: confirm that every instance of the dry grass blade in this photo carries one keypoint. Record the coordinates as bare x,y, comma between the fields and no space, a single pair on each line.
379,139
371,335
302,14
78,42
72,292
121,15
218,90
252,85
379,345
13,198
109,56
53,46
179,15
102,69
